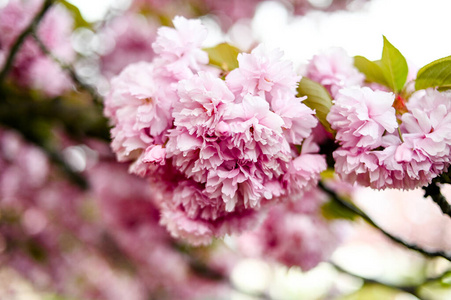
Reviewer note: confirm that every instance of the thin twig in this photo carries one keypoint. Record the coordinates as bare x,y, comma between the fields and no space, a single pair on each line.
21,38
69,69
433,190
353,208
410,289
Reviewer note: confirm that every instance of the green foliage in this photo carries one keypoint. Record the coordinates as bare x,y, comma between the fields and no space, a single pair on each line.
371,69
317,98
223,56
390,71
436,74
78,18
394,67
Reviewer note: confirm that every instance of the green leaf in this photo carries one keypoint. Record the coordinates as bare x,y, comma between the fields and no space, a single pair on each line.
390,71
435,74
394,67
317,98
224,56
78,18
371,69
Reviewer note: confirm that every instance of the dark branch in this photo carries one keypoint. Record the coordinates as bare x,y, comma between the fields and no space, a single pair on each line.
433,191
21,38
353,208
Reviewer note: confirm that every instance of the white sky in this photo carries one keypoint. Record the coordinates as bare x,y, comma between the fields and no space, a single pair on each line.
418,28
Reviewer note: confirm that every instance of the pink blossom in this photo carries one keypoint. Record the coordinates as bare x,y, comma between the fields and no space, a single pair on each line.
139,109
262,74
202,103
31,67
297,117
155,154
196,218
428,122
358,165
293,235
130,38
304,171
335,70
217,155
257,130
361,116
180,48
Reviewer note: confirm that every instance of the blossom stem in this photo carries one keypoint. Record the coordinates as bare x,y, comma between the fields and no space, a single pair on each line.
433,190
354,209
21,38
400,135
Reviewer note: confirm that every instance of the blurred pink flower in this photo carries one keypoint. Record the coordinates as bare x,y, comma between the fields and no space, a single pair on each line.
31,67
335,70
130,37
294,233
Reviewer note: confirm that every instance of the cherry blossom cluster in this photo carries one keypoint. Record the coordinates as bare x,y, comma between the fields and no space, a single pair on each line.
380,146
218,149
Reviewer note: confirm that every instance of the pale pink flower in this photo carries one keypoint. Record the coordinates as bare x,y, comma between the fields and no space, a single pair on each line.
294,233
263,74
155,154
358,165
304,171
196,218
180,48
297,117
217,156
335,70
428,122
361,116
202,103
256,129
196,232
139,108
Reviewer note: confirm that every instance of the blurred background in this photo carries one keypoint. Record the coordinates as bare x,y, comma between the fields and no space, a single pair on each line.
59,240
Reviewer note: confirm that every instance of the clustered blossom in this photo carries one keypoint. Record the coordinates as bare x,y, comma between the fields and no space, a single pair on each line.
377,152
295,233
218,150
32,68
335,70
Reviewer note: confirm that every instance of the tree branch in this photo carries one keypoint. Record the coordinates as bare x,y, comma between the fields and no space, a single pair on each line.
21,38
410,289
353,208
69,69
433,190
